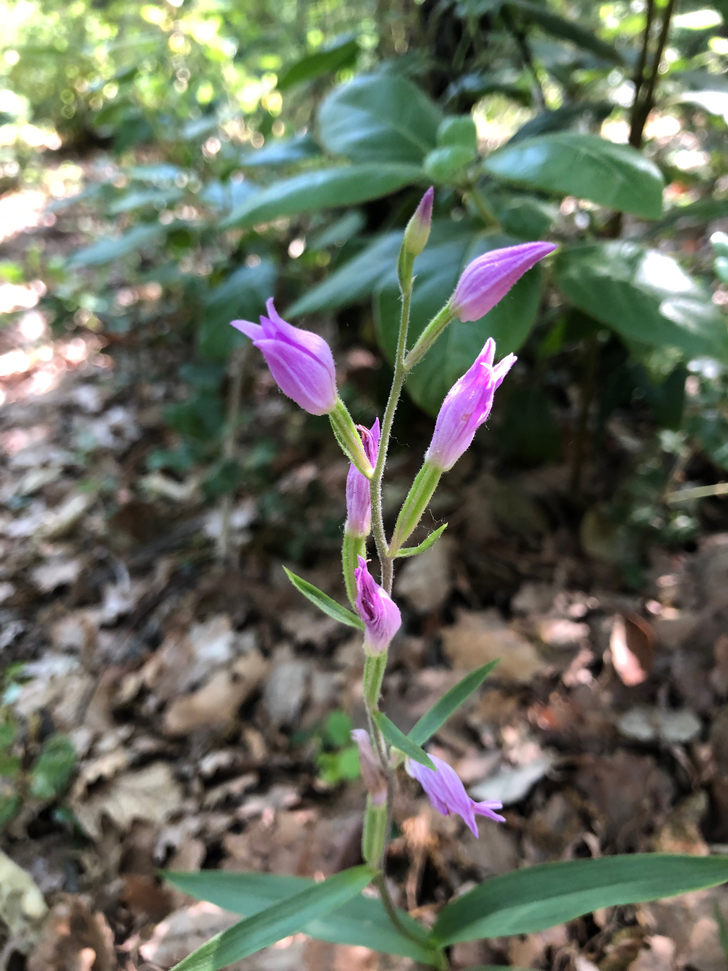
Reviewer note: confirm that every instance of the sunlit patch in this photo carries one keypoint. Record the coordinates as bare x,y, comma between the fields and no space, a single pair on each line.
74,351
20,211
42,381
688,160
17,296
32,325
14,362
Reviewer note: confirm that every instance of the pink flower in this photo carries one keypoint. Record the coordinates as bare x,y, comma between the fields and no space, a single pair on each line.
358,499
418,228
447,793
300,361
379,612
488,278
466,407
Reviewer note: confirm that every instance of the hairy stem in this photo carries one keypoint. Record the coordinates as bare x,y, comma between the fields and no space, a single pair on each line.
380,537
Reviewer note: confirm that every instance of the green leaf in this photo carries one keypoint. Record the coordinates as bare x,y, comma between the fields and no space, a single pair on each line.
286,917
449,704
241,296
425,544
458,130
137,198
569,30
109,250
643,294
324,602
695,214
401,741
586,166
379,118
451,247
361,922
281,151
447,164
568,116
354,280
537,897
345,185
326,61
53,767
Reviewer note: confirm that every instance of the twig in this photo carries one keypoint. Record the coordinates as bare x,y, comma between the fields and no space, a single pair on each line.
699,492
639,75
642,106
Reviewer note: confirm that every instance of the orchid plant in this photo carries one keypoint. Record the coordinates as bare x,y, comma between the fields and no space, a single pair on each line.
335,909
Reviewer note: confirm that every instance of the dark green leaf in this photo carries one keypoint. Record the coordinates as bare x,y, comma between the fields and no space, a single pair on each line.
397,738
425,544
354,280
108,250
534,898
437,269
361,922
528,430
53,767
379,118
569,30
646,296
241,296
339,231
448,164
326,61
458,130
586,166
345,185
286,917
138,198
324,602
449,704
562,118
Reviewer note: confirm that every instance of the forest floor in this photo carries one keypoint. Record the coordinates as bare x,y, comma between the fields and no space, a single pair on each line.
209,705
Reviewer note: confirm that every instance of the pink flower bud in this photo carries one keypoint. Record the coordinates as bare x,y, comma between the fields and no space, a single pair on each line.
379,612
488,278
371,770
466,407
447,793
300,361
358,499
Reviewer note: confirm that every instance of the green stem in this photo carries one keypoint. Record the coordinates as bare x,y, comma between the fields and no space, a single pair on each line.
428,336
414,505
374,667
400,373
381,885
473,196
374,837
348,438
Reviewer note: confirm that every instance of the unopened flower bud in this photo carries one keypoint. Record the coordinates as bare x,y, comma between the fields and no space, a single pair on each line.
379,612
487,279
300,361
418,228
358,499
371,771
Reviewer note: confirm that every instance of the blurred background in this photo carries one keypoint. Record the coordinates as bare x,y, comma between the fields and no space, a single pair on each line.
167,699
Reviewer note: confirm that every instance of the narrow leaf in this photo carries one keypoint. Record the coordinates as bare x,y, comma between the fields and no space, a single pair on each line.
449,704
324,602
425,544
284,918
529,900
397,738
361,922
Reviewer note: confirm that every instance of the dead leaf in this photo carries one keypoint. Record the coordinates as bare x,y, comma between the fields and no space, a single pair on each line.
59,522
74,939
632,646
216,704
479,637
56,572
186,657
647,724
151,794
426,580
22,906
681,830
511,783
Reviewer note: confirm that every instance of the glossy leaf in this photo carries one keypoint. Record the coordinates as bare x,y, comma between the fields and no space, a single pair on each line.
587,166
424,545
437,270
449,703
326,61
344,185
281,151
241,296
324,602
355,280
401,741
568,116
538,897
109,250
644,295
379,118
361,922
286,917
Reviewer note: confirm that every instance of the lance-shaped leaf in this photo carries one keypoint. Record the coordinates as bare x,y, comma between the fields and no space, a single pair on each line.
284,918
324,602
360,922
537,897
397,738
425,544
449,704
